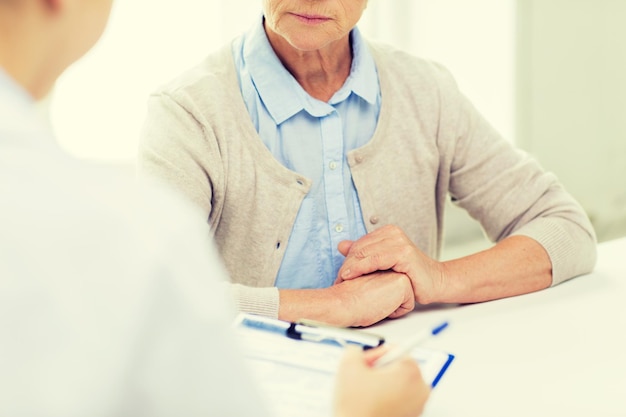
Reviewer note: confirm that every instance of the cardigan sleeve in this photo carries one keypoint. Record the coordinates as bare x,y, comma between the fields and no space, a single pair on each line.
173,149
509,193
177,148
439,146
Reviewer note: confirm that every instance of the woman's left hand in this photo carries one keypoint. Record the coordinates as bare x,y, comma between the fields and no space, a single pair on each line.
389,248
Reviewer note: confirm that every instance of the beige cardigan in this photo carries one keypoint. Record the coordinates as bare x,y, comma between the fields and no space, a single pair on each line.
429,143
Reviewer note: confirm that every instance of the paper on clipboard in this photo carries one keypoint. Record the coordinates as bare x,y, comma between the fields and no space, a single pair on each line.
297,377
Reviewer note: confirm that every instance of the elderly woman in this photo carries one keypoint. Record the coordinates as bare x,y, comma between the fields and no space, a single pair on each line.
323,162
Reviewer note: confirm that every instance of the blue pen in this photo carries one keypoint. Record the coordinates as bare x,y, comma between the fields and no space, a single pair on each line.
404,348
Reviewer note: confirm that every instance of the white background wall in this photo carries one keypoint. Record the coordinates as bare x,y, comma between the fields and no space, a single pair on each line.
99,104
475,39
572,100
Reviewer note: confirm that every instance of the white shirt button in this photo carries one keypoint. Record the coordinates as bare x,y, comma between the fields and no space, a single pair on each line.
332,165
339,228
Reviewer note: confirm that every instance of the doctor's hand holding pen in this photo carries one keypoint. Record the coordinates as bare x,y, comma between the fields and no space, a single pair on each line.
396,389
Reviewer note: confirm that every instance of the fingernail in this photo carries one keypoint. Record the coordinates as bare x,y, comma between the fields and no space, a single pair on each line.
345,273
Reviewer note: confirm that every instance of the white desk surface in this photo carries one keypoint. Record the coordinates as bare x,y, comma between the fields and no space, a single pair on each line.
557,352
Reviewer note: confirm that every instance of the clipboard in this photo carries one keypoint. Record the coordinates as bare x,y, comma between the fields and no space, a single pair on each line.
294,364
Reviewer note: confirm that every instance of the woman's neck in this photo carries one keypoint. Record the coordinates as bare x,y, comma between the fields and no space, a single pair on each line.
322,72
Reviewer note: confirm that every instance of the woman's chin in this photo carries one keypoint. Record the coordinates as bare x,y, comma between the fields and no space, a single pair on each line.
308,43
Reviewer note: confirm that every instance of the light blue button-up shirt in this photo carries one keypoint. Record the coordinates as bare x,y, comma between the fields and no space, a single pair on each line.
312,138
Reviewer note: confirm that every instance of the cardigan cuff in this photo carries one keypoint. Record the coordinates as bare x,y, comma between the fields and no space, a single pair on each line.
262,301
571,249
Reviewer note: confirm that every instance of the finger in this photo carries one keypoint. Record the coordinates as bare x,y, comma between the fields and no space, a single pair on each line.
369,239
382,255
372,355
369,259
386,233
344,247
352,357
361,262
400,311
364,247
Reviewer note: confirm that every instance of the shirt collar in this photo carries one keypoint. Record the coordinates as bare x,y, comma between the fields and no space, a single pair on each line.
363,78
283,96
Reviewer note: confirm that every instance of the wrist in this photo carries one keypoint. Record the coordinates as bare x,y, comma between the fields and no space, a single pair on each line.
328,305
443,283
341,305
431,283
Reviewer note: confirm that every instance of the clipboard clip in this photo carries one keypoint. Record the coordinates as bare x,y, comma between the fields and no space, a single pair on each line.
313,331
